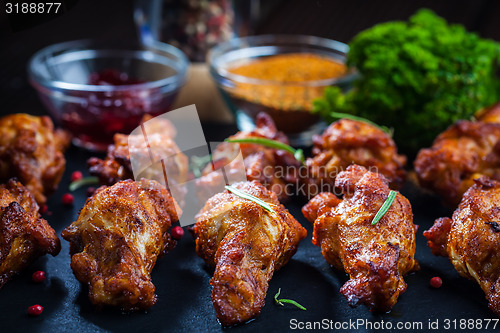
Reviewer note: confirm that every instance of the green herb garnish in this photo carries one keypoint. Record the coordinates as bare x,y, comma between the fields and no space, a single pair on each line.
417,76
385,207
289,301
297,153
82,182
250,197
340,115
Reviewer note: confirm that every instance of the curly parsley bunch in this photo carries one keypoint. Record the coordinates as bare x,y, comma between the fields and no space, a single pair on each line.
418,77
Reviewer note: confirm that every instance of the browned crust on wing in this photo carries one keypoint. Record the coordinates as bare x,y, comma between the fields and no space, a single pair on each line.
319,205
116,240
462,153
32,151
470,238
117,165
376,257
437,236
490,114
246,244
24,235
346,142
273,168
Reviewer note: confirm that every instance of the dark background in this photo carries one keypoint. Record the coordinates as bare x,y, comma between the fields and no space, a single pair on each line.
113,20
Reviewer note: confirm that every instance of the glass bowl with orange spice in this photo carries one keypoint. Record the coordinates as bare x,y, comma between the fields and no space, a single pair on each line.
280,75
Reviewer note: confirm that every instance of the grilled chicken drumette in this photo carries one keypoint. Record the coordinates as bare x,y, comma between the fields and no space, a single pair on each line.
376,257
114,243
246,244
159,145
24,235
347,142
462,153
471,238
32,151
273,168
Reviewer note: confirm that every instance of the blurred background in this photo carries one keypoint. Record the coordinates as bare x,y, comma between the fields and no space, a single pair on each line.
114,20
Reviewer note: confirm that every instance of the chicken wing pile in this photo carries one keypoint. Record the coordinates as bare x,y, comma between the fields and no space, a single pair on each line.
116,240
160,143
462,153
471,238
274,168
246,244
347,142
24,235
32,151
376,257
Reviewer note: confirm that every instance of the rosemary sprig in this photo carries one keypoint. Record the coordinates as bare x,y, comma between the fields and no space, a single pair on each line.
297,153
385,207
82,182
289,301
340,115
250,197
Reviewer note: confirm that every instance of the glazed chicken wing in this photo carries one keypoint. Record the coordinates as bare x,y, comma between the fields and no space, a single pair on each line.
24,235
246,244
490,114
471,238
376,257
114,243
462,153
160,138
347,142
274,168
32,151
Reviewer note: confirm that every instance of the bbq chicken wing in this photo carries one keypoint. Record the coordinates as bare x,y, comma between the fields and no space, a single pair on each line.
462,153
347,142
114,243
160,143
470,239
376,257
24,235
246,244
274,168
32,151
490,114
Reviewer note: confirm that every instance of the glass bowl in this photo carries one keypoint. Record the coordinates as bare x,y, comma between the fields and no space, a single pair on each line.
288,103
96,90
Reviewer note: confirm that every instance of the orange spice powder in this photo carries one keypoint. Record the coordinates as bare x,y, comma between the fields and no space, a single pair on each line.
285,70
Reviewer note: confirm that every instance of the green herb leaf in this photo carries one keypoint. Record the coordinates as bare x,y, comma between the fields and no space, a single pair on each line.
82,182
385,207
250,197
339,115
297,153
289,301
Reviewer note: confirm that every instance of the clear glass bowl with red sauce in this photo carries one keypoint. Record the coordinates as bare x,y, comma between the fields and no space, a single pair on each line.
95,90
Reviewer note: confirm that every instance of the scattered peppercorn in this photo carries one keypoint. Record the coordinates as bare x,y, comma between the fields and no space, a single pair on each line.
436,282
76,175
67,199
177,232
35,310
44,209
38,276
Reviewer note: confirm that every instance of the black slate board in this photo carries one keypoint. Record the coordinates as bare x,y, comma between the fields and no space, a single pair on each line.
183,289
